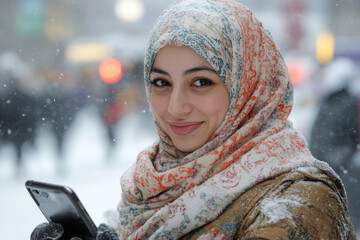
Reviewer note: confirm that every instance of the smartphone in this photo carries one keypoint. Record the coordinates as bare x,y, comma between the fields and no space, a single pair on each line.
60,204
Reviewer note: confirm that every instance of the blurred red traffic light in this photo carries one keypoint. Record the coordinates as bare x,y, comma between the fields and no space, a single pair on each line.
110,70
296,72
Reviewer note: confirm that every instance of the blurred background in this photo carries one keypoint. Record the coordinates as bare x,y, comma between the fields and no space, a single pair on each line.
73,109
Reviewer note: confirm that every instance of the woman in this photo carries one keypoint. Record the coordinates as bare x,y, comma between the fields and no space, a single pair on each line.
228,164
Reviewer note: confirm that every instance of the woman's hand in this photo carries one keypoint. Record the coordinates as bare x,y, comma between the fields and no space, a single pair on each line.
54,231
105,232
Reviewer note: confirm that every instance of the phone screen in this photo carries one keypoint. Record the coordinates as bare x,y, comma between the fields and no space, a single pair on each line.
61,205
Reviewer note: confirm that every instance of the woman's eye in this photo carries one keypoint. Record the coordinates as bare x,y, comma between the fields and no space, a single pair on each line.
160,83
202,82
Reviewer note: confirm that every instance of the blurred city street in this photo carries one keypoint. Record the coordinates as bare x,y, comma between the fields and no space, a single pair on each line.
73,109
90,171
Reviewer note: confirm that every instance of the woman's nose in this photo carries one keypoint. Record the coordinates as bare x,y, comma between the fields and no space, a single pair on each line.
179,103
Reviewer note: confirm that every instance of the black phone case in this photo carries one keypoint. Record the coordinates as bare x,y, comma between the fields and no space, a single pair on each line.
60,204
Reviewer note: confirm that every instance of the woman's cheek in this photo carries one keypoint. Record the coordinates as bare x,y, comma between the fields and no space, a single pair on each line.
213,105
158,105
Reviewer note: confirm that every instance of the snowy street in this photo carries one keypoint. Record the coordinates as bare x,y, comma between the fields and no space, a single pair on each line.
95,181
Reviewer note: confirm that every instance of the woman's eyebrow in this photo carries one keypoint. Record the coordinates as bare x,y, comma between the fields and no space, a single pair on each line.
197,69
187,72
157,70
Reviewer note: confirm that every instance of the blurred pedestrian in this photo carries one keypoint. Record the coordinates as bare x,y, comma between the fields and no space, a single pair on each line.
56,109
335,131
17,118
228,164
112,113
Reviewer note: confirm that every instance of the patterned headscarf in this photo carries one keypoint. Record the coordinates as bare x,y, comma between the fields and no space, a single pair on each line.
169,191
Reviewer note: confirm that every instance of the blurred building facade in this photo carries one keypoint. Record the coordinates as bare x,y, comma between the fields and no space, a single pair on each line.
38,30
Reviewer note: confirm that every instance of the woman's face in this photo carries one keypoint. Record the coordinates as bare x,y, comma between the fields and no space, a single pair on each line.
187,96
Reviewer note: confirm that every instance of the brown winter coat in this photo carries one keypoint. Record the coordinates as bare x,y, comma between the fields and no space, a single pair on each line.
295,205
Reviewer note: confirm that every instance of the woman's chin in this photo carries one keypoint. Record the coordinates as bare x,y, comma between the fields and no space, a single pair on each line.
188,145
184,147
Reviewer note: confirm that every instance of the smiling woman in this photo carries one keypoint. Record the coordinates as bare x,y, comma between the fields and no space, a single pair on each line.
220,94
227,154
188,98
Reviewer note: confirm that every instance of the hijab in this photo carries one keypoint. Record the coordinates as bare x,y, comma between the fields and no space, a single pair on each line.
170,193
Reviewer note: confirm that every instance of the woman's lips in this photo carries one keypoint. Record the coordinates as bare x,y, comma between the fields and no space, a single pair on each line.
183,128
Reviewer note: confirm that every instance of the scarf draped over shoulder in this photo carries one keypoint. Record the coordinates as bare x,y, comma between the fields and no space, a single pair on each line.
170,193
